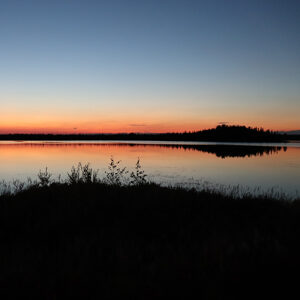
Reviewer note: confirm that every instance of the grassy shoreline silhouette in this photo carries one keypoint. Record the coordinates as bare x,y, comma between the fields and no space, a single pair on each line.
222,133
90,237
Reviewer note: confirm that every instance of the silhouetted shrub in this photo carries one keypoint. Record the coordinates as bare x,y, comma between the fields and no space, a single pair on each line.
44,177
82,174
18,185
138,176
115,174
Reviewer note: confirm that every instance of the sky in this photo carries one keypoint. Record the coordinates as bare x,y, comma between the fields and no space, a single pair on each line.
69,66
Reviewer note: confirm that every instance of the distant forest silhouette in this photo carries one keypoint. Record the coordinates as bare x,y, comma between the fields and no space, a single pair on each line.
222,151
222,133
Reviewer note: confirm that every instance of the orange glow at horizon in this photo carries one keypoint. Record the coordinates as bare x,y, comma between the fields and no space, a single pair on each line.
127,127
127,122
119,124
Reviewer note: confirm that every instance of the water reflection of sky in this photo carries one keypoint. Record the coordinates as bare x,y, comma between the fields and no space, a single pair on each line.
191,164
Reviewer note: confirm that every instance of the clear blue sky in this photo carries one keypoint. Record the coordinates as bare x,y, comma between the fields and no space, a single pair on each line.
148,65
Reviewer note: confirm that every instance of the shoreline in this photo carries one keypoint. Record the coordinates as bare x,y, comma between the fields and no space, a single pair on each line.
222,133
147,138
144,241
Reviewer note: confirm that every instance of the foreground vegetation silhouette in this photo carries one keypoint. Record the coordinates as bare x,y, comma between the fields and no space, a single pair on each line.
121,236
222,133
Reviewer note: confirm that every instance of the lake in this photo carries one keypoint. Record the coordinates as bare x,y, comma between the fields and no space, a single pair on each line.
252,167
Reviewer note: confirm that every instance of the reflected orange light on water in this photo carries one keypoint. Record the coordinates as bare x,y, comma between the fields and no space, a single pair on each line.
61,155
170,164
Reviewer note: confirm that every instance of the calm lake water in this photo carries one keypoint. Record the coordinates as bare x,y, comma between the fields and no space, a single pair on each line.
265,166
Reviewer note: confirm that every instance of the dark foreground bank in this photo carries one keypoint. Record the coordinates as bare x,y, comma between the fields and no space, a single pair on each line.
93,240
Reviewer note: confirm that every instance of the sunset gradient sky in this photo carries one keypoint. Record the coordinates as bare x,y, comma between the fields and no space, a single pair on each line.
70,66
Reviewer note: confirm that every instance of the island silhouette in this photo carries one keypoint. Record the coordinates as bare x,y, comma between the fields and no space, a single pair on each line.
222,133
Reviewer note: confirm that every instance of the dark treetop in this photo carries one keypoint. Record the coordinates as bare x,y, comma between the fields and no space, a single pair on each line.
222,133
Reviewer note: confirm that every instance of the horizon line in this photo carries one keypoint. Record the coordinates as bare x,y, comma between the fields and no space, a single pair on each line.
141,133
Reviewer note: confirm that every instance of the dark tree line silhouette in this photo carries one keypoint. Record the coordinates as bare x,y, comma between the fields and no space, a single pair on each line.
221,133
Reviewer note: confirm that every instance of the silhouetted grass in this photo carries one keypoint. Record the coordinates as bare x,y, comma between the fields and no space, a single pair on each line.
93,238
